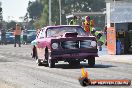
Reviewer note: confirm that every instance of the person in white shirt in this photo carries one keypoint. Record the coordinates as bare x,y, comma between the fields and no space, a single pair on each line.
25,36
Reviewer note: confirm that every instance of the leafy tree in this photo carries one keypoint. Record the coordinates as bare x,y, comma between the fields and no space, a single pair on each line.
55,15
43,20
85,6
34,9
68,6
11,24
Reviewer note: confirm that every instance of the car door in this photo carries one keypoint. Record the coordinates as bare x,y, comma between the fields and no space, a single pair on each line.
40,44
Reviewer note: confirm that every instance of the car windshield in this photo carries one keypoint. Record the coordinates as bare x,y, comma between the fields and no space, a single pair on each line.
58,31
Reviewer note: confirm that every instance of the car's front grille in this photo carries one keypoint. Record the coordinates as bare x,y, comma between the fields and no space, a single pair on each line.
76,44
70,44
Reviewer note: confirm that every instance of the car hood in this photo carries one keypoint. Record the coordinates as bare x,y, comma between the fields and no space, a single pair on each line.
65,37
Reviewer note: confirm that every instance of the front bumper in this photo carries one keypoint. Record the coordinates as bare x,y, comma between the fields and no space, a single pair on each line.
74,54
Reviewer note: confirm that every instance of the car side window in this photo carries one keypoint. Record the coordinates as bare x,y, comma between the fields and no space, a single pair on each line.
48,32
41,34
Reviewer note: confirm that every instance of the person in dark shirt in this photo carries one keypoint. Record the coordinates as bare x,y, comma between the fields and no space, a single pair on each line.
3,36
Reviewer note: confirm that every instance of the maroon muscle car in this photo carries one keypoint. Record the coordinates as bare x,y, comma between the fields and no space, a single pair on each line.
67,43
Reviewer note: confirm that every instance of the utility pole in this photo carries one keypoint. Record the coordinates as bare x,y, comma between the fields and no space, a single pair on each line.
49,12
60,10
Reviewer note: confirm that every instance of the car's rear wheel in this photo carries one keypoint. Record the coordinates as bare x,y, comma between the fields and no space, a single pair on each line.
91,61
35,55
46,56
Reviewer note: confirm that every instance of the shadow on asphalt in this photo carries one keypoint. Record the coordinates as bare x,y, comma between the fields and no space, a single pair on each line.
67,66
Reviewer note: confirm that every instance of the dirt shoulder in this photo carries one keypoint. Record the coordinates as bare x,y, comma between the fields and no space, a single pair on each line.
5,85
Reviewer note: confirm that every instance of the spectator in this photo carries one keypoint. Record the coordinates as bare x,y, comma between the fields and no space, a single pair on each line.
88,24
17,34
25,36
3,36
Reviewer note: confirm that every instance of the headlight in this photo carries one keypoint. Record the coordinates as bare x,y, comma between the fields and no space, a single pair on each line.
93,43
85,44
55,45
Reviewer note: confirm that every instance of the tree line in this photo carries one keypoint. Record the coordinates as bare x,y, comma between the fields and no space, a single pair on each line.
38,10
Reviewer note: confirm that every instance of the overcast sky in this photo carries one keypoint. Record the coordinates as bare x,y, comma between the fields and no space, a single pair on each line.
13,9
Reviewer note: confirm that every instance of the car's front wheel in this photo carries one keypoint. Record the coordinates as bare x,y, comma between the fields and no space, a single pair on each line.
51,63
38,61
91,61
